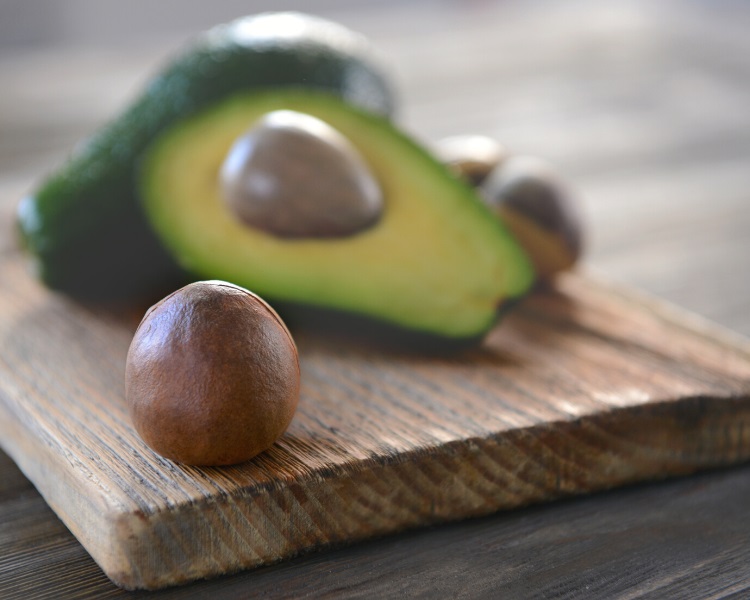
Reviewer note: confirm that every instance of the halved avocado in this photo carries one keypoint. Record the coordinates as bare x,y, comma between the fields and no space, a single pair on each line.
437,262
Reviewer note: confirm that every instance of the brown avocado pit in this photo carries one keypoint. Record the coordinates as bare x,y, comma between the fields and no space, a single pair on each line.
212,375
294,176
539,210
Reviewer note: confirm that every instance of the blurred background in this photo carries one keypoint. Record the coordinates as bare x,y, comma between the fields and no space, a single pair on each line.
54,22
642,106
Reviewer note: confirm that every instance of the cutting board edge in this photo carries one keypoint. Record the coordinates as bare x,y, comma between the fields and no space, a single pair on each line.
68,497
467,478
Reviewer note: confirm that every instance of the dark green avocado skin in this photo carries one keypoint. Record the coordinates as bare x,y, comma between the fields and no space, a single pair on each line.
84,225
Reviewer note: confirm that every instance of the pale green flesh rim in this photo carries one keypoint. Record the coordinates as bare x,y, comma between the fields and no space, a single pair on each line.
438,261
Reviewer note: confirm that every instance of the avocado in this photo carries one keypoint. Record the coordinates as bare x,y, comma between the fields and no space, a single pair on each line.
84,225
436,262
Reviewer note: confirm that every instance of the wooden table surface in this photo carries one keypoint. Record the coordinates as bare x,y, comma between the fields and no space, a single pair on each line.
644,109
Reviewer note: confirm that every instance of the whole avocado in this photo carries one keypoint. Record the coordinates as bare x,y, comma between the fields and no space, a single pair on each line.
85,226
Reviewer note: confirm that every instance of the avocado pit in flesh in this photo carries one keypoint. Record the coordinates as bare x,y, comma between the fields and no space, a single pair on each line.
294,176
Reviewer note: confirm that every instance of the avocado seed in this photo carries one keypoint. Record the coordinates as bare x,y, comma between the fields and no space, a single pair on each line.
471,157
539,210
294,176
212,375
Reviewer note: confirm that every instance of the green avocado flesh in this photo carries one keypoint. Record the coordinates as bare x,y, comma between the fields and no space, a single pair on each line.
84,225
436,262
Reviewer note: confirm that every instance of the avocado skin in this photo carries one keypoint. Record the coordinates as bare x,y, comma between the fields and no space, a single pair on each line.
85,226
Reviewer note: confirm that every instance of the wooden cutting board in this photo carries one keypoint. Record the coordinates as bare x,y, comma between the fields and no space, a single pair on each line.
583,388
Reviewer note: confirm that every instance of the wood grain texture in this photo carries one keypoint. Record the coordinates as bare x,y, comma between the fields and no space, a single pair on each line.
581,389
683,538
644,107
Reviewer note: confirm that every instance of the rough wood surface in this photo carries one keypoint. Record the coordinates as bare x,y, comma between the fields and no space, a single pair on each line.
643,106
580,389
